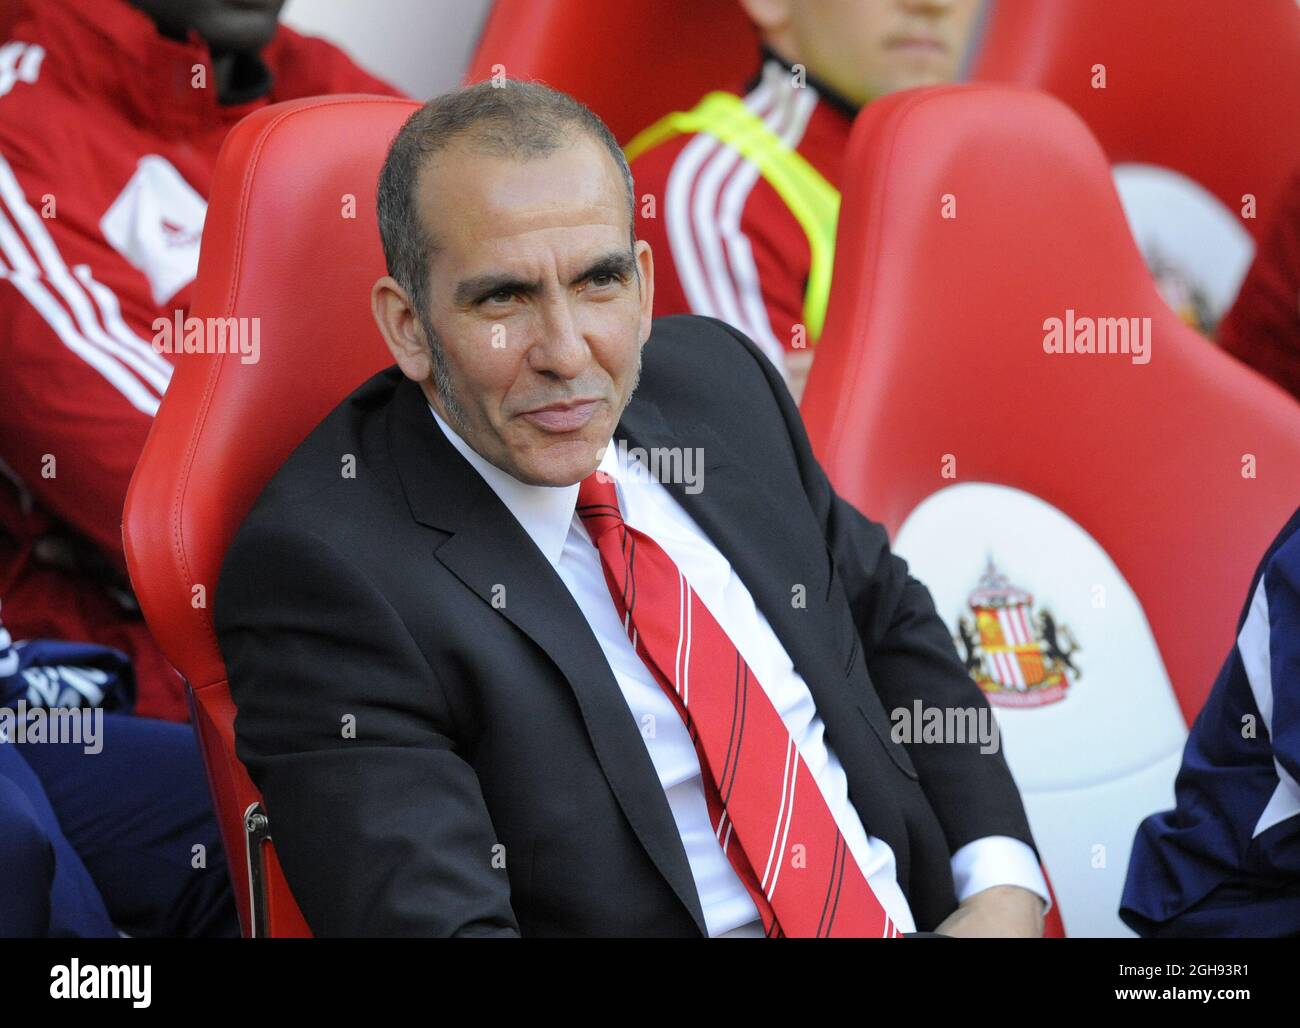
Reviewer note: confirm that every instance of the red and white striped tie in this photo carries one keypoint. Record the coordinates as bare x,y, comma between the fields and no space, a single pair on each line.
767,811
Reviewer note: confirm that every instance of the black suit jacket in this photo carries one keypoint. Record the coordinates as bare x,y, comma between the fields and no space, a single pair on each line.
437,763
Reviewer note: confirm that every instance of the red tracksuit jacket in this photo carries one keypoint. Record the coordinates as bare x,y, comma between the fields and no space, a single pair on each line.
725,244
108,137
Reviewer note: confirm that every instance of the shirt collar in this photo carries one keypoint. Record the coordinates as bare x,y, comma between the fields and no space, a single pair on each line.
769,58
544,512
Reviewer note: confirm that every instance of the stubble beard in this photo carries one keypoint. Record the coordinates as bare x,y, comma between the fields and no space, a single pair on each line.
446,390
442,381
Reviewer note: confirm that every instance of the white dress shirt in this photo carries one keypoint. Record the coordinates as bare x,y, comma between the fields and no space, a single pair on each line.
548,515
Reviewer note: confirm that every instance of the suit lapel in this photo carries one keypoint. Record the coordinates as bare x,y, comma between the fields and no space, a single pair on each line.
773,550
488,548
770,548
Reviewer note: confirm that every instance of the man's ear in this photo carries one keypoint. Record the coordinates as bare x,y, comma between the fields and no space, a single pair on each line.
767,15
645,264
401,329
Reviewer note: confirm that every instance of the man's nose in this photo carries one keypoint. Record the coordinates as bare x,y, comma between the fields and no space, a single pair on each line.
561,348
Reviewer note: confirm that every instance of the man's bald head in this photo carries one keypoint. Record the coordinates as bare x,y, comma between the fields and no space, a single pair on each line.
517,294
508,119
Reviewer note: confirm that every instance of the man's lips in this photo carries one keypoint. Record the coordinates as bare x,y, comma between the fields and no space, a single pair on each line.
918,45
563,417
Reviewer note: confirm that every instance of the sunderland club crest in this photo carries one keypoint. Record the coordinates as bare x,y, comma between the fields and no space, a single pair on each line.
1018,657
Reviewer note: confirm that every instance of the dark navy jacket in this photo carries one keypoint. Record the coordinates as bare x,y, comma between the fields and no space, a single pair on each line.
1226,860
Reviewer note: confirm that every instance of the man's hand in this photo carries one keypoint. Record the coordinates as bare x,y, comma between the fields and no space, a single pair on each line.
1000,912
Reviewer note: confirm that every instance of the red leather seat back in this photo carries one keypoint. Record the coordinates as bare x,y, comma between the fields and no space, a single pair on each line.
1196,116
1207,88
628,62
290,240
10,10
932,374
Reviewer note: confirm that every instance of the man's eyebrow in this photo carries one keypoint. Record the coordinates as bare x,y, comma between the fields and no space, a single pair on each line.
482,286
619,265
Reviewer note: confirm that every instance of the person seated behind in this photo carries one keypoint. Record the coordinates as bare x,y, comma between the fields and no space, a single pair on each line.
729,244
1226,860
463,676
109,129
106,824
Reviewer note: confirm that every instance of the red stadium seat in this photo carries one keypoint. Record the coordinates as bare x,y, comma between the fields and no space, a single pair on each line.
1131,501
1202,89
9,12
1207,88
290,239
630,63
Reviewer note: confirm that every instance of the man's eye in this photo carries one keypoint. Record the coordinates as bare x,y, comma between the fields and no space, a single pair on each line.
603,280
501,295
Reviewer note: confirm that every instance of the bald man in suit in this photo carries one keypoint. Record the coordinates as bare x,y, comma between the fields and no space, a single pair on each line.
589,646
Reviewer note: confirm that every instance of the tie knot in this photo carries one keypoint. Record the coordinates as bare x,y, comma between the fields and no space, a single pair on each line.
598,504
